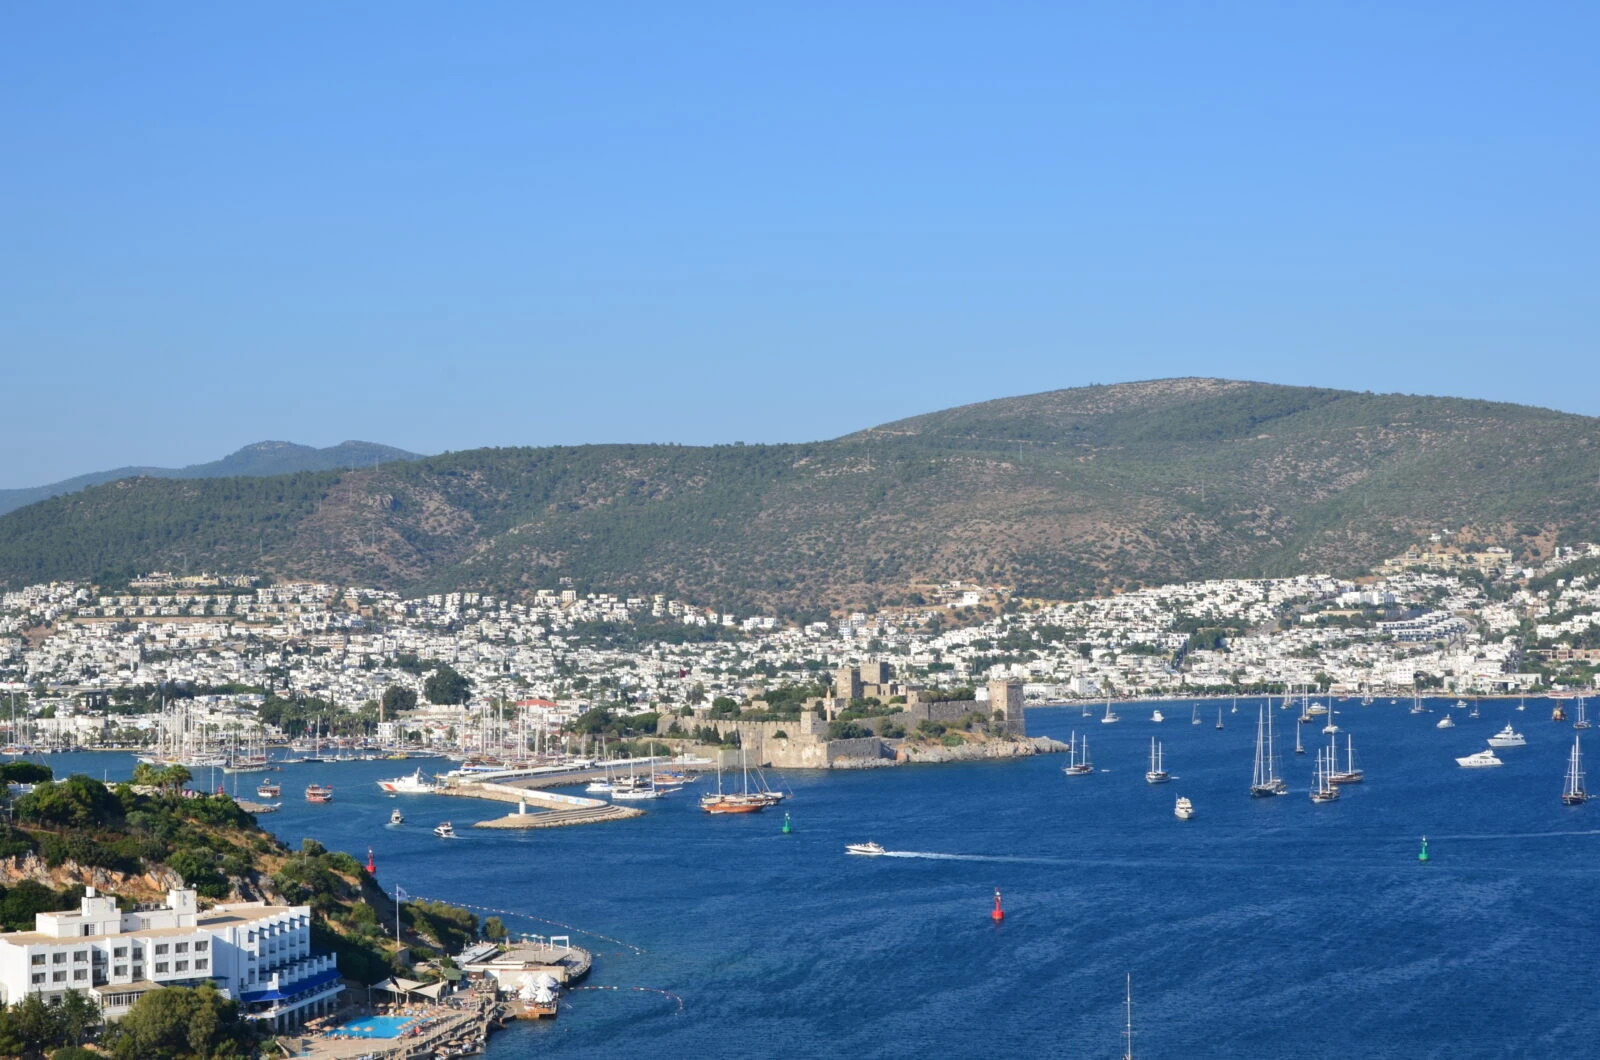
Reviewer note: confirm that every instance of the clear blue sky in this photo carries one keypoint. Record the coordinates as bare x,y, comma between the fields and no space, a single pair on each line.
449,225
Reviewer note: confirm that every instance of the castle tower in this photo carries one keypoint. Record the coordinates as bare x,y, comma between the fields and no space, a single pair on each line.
1005,705
847,683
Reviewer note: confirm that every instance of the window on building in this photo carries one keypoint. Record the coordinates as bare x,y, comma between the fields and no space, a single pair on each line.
161,967
201,965
202,946
120,951
181,966
181,947
120,970
38,977
38,958
138,953
138,971
161,947
81,973
81,955
88,929
58,958
58,977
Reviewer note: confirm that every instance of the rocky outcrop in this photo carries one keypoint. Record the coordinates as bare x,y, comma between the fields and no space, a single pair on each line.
979,750
31,866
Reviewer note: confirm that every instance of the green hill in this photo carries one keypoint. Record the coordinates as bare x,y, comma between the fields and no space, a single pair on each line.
1059,493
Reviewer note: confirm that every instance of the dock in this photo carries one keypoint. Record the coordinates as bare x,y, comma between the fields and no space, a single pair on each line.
539,809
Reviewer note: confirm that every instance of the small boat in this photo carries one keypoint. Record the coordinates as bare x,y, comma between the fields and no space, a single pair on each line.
1416,705
1157,774
269,791
1507,737
1183,810
1078,766
1265,780
1110,718
1194,716
1330,728
445,830
396,817
1557,713
1582,722
1573,794
1445,722
1461,704
870,850
319,793
1299,748
1350,774
1219,717
1157,716
1322,788
1474,713
1481,760
1317,710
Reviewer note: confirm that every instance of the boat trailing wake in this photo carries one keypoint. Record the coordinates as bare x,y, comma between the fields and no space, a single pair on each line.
972,857
1516,835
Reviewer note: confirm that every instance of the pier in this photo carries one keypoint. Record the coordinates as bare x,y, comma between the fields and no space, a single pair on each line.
549,810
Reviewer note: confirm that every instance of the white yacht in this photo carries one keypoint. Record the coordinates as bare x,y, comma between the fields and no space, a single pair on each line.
1078,764
1445,722
1157,773
396,817
1480,760
1110,718
1157,716
870,850
1184,809
1507,737
445,830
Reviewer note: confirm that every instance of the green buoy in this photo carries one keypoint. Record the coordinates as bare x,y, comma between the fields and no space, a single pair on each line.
787,829
1423,854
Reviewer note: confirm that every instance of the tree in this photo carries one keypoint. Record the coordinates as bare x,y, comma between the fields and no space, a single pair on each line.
25,773
37,1024
78,1015
397,698
445,685
494,929
179,1023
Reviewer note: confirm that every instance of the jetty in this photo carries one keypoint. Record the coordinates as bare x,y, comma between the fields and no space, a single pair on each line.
539,809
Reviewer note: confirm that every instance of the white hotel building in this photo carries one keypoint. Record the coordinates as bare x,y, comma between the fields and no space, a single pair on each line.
257,954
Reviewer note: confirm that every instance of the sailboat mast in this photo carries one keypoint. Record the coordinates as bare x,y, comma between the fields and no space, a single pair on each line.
1127,1034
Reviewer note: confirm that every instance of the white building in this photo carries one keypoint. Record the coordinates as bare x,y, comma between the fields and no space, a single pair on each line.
257,954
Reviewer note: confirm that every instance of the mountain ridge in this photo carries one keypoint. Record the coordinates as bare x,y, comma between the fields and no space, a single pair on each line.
1060,493
257,458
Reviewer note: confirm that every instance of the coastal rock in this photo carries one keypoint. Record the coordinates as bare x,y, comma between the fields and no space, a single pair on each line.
31,866
981,750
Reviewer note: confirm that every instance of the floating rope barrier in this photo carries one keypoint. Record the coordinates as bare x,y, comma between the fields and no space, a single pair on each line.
628,946
640,989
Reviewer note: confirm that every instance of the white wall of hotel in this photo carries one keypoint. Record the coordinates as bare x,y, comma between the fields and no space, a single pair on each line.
257,954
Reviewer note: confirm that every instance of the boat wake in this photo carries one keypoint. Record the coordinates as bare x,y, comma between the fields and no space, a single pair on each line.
972,857
1516,835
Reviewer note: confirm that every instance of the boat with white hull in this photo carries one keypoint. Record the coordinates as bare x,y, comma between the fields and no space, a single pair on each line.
1481,760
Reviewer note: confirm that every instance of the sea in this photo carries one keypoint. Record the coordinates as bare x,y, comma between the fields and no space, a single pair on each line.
1261,928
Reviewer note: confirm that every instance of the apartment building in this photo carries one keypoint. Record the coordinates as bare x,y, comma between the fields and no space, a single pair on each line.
257,954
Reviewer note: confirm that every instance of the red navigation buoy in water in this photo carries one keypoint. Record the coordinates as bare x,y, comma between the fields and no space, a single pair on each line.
372,866
999,914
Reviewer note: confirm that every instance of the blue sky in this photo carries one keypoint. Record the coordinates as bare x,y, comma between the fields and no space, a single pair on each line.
445,226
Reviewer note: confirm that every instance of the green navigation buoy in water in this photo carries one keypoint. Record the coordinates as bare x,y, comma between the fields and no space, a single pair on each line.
787,829
1423,854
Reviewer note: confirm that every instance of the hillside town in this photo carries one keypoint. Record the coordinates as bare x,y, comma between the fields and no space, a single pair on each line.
88,668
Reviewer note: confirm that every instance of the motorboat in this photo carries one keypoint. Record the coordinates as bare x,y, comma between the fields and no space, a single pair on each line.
1183,810
1157,716
870,850
268,791
411,784
445,830
319,793
1445,722
1507,737
1481,760
396,817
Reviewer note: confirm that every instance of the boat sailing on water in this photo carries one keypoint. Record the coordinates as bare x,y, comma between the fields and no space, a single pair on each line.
1265,780
1350,774
1110,718
445,830
1582,722
1299,748
870,850
1481,760
1194,715
1574,794
319,793
1183,809
396,817
1507,737
1323,789
748,802
1219,717
268,790
1078,766
1157,773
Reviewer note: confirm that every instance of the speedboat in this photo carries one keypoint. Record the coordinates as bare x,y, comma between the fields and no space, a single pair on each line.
870,850
1480,760
1507,737
1184,809
1445,722
1157,716
396,817
445,830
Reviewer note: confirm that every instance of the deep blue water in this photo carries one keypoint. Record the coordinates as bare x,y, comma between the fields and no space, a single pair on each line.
1261,928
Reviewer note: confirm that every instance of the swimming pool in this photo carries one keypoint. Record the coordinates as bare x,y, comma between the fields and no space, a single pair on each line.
374,1027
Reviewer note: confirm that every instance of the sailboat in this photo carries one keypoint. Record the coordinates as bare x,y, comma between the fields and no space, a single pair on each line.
1219,717
1265,780
1330,728
1299,748
1194,715
745,803
1157,774
1078,767
1582,722
1127,1035
1350,774
1323,789
1573,794
1110,718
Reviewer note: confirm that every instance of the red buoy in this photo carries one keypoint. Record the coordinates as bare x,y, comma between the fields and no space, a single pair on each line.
999,914
372,866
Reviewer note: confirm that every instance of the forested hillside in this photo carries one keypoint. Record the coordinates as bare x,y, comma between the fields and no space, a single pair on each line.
1061,493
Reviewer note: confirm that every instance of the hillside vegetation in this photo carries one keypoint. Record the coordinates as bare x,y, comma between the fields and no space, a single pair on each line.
1059,493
